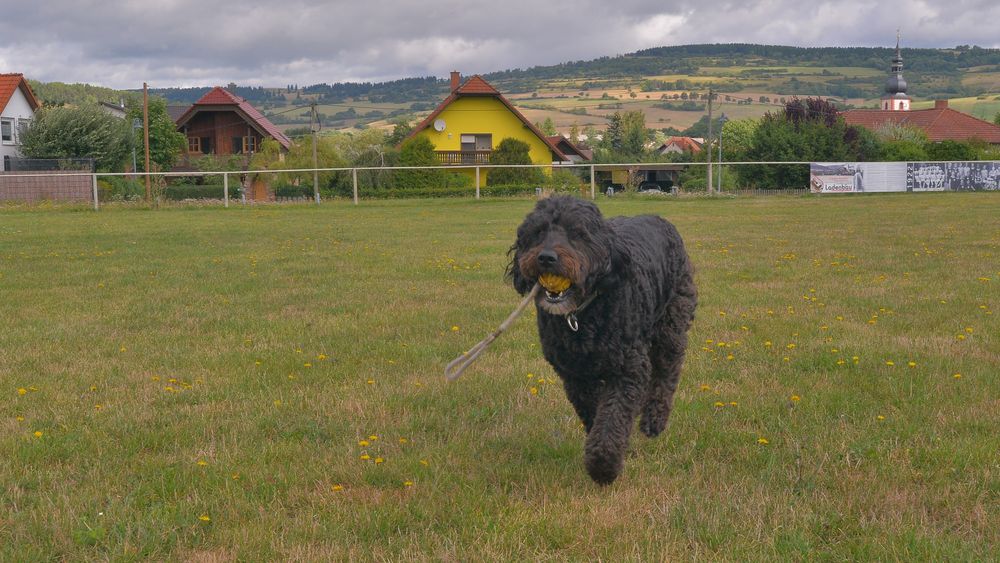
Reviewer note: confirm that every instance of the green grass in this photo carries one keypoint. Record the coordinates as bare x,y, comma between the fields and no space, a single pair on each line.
188,363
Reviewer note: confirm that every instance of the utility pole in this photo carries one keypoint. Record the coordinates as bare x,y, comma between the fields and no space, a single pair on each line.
145,133
708,143
314,125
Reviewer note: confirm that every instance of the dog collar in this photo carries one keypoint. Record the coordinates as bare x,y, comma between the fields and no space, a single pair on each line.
571,318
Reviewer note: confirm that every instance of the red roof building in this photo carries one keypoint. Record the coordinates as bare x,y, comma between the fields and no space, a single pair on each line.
223,123
680,145
10,83
940,123
17,110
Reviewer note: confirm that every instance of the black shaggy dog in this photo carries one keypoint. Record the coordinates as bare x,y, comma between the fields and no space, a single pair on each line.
617,335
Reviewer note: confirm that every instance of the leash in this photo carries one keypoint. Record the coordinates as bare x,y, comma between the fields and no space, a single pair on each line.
458,365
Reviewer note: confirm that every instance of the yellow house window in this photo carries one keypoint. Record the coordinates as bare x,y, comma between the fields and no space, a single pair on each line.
477,142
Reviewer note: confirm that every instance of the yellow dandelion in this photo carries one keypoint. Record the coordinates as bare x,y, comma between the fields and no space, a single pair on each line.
298,350
790,346
307,365
534,390
379,460
705,387
202,463
362,443
762,441
767,343
22,391
321,357
425,463
890,363
337,488
38,433
277,402
236,476
373,437
879,417
968,329
122,349
365,457
204,518
19,418
407,483
155,378
960,336
403,440
733,403
795,398
454,328
957,376
912,364
719,404
370,382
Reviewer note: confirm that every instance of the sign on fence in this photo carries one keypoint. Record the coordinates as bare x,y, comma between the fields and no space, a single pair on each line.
856,177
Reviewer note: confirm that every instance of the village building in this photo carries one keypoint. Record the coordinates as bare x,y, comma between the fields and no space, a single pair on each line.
940,123
17,109
221,123
471,122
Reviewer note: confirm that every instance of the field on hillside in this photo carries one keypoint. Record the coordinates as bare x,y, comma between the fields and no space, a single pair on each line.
265,383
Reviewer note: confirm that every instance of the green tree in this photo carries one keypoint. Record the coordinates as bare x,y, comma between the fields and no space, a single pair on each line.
951,150
626,135
272,156
419,151
165,141
548,127
808,130
512,151
996,119
78,132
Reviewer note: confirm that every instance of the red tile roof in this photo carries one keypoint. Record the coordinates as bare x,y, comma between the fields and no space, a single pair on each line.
568,148
221,97
683,143
10,83
476,86
940,123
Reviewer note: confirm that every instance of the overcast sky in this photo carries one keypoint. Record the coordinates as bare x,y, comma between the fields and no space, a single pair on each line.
278,42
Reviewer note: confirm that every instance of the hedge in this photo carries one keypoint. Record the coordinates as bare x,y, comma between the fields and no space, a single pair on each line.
190,191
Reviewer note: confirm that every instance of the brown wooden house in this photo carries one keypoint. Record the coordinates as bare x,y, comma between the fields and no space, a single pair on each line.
222,123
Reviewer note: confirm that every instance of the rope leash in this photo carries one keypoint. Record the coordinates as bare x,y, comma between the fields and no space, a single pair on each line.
458,365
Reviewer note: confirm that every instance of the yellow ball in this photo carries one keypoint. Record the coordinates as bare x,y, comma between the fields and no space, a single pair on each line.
554,283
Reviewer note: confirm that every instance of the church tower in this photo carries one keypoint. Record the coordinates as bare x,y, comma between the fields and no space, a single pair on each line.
895,98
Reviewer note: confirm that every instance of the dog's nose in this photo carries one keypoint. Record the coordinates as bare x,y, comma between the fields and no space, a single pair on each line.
547,258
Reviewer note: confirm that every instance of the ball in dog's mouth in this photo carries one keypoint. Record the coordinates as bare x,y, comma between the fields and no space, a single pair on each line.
557,288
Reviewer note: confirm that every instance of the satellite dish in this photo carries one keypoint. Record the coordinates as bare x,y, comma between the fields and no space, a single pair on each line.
439,125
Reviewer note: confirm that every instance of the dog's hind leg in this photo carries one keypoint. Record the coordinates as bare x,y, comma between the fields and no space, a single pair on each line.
660,392
583,395
667,357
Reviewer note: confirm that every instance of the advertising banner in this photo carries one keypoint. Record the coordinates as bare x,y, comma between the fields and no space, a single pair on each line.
858,177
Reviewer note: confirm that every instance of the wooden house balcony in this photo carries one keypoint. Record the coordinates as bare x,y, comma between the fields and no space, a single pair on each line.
463,157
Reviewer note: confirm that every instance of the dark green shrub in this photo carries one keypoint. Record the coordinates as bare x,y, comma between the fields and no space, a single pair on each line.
179,192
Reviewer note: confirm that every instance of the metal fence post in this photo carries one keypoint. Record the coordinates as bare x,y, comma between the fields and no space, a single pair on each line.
96,206
477,182
593,188
354,175
225,189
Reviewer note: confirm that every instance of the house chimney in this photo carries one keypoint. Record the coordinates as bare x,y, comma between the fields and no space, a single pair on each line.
455,79
940,104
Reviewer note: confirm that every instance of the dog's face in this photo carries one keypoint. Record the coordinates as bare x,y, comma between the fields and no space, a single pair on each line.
565,245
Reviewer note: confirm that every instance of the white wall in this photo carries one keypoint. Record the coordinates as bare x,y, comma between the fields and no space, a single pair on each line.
18,108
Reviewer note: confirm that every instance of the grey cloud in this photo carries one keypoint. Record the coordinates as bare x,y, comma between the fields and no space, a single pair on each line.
188,42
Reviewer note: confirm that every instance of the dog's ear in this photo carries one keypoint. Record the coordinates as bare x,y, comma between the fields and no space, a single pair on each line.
615,263
514,275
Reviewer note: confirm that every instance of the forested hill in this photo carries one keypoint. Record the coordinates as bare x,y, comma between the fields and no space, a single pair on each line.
847,72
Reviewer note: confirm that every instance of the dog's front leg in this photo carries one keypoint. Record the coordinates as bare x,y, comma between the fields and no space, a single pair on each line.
607,441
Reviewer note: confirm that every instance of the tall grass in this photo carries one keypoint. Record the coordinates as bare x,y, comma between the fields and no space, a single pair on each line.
265,384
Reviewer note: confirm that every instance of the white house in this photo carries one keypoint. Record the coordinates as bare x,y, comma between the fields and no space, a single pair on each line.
17,108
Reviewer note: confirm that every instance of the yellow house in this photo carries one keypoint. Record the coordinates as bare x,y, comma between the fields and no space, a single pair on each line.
473,120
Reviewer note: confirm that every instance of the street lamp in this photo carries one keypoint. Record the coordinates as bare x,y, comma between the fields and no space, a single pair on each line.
722,121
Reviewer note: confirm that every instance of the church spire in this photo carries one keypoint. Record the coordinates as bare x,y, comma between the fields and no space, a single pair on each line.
895,98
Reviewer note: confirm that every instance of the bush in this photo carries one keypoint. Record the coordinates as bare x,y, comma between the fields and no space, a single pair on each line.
177,192
120,188
292,191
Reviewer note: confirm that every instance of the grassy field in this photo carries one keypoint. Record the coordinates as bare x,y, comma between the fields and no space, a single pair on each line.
266,384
